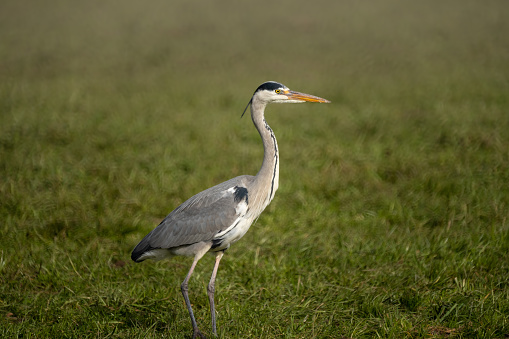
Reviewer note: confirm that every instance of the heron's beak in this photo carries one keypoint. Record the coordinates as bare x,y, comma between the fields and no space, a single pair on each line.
292,95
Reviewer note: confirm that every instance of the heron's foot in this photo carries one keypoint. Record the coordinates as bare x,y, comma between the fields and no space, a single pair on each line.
198,334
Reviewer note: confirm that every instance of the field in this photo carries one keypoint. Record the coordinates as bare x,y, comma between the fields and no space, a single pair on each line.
391,216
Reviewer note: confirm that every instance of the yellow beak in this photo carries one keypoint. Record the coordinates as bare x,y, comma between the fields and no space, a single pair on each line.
292,95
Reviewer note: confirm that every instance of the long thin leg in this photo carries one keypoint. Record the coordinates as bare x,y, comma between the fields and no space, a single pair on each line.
183,288
211,289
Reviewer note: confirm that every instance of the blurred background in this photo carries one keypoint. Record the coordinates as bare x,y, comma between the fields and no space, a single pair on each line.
114,112
356,50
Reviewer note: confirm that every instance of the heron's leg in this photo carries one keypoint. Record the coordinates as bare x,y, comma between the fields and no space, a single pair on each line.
183,288
211,289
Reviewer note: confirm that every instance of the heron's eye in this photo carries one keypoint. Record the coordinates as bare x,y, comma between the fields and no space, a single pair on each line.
278,91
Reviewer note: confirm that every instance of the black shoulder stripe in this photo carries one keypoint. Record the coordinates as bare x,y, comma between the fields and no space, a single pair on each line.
240,194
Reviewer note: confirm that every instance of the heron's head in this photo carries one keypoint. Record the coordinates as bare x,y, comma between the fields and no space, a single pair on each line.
275,92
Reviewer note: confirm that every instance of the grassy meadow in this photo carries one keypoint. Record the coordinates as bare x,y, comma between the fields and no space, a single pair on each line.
391,216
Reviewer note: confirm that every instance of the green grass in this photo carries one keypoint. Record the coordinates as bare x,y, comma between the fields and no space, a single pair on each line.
391,217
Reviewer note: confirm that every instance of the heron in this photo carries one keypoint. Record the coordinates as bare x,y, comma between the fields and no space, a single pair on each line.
212,220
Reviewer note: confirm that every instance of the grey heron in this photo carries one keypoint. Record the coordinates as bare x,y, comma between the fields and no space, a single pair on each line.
214,219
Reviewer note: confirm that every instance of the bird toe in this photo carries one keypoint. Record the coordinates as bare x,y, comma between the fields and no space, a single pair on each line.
198,334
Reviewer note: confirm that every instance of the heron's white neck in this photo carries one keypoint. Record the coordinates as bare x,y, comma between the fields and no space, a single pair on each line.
267,178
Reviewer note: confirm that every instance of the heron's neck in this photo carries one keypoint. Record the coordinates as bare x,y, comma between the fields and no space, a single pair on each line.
268,175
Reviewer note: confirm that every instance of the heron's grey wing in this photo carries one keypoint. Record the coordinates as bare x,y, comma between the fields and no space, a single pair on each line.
199,218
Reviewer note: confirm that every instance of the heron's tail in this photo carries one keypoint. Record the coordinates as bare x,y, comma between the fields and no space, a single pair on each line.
140,249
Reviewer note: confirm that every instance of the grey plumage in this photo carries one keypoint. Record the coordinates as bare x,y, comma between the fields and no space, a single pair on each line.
212,220
198,219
